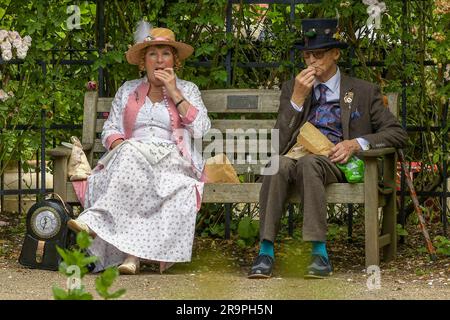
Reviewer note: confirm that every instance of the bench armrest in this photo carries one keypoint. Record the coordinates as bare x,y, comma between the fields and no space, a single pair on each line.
59,152
62,151
374,153
87,146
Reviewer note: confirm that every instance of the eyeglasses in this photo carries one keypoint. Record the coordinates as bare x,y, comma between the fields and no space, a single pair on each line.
165,55
318,54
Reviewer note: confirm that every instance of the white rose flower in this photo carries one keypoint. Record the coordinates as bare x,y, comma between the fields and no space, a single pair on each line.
23,47
17,43
374,11
6,55
13,35
27,40
447,72
5,46
369,2
3,95
21,54
382,6
3,35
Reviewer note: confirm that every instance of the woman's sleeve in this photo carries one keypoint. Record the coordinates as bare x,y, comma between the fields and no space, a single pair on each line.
113,126
196,119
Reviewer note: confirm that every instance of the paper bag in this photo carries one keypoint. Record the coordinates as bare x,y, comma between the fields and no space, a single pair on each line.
313,140
297,151
78,167
218,169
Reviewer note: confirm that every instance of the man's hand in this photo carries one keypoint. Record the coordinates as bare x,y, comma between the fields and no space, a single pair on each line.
344,150
303,84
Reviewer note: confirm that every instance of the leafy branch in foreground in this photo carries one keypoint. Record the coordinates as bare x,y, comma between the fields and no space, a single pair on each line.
75,266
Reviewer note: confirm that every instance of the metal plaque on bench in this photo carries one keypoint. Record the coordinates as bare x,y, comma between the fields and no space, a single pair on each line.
242,102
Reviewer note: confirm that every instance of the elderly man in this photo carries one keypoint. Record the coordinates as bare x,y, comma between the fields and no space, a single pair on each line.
349,112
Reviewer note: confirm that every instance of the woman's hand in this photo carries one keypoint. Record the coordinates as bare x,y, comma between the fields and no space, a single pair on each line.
168,77
116,143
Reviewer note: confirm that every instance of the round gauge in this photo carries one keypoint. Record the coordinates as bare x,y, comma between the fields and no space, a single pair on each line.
45,222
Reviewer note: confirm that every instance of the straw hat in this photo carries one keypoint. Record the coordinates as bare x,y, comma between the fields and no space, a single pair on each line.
157,36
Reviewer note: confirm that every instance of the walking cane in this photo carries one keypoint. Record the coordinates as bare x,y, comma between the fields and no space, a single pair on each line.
417,208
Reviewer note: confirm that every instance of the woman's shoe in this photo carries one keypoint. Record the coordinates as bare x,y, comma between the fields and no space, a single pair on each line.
129,266
78,226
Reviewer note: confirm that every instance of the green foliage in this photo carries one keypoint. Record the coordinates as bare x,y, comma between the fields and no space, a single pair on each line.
336,231
105,281
59,92
442,245
75,266
76,257
401,231
248,231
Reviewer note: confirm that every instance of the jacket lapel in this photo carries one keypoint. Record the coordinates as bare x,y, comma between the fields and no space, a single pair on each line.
345,88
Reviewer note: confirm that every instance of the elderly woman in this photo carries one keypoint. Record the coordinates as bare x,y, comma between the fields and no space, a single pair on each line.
143,196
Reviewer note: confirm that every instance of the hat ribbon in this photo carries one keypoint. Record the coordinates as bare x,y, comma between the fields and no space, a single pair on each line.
158,39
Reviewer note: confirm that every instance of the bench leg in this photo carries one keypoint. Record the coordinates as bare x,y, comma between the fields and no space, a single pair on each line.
227,220
290,219
60,177
371,212
390,210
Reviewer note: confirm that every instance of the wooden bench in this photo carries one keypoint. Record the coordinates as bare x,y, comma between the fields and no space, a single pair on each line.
256,109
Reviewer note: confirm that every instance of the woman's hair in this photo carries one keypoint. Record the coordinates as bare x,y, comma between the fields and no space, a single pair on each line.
176,59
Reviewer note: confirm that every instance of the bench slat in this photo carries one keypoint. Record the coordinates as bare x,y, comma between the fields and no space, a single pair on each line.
249,147
222,124
249,193
220,101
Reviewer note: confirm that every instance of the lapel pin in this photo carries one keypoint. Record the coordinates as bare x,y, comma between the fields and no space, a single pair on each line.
348,98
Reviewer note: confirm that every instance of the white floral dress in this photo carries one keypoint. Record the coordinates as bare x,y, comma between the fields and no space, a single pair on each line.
144,201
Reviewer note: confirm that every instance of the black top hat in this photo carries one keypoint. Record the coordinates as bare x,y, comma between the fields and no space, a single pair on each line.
319,34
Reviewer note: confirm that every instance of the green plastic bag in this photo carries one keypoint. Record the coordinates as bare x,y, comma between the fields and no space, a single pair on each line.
353,170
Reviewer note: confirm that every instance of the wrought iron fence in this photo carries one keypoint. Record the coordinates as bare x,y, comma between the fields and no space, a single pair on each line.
40,173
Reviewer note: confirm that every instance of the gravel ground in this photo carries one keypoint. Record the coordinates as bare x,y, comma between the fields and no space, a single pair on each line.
218,271
194,281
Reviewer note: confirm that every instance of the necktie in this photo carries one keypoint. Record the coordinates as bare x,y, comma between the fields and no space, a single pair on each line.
323,96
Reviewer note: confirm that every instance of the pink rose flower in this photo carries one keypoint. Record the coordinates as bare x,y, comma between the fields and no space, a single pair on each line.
91,85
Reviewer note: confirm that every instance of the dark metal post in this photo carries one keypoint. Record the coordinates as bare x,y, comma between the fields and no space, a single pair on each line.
444,169
291,219
37,173
350,211
19,185
227,220
292,51
2,185
43,140
402,179
228,31
101,43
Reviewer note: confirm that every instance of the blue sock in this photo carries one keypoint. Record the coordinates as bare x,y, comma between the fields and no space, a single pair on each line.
267,248
319,249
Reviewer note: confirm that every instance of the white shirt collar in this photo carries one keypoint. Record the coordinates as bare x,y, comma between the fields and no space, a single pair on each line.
332,83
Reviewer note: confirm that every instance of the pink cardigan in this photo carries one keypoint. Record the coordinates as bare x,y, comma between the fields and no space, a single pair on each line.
135,102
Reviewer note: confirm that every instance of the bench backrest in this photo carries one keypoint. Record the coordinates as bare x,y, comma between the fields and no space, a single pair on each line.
252,112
